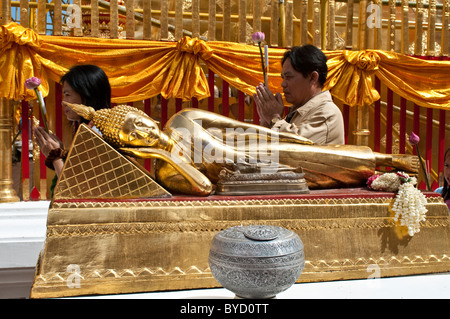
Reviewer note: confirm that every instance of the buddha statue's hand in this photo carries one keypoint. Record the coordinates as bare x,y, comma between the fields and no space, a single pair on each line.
145,153
199,183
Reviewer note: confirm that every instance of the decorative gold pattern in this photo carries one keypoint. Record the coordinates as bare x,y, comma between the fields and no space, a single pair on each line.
119,273
236,202
193,270
95,170
163,227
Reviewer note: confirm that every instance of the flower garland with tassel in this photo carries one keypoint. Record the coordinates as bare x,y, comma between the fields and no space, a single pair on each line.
409,203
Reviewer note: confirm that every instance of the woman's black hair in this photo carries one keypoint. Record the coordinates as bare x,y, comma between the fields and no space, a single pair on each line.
307,59
91,83
445,188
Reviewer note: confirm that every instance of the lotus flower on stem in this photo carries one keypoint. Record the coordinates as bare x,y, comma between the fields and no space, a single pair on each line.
258,37
414,140
33,84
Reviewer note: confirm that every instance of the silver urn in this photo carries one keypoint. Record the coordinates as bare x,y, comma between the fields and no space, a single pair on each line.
256,261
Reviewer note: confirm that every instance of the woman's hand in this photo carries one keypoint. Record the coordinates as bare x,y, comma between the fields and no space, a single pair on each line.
46,141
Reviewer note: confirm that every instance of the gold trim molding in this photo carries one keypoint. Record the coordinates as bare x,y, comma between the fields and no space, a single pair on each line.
198,227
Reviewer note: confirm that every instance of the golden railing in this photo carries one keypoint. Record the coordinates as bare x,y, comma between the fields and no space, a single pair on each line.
412,28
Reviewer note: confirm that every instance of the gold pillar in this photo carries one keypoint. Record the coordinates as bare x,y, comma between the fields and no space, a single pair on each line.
323,22
5,12
362,112
317,38
362,131
362,25
7,193
282,24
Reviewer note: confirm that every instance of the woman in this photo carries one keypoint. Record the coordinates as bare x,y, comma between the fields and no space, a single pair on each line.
86,84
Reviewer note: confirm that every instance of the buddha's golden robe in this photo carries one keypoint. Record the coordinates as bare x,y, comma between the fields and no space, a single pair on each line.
210,141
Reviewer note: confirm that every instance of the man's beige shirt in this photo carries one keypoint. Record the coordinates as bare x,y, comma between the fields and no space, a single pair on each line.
319,120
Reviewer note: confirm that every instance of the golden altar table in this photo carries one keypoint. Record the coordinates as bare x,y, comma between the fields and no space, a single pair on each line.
111,229
150,245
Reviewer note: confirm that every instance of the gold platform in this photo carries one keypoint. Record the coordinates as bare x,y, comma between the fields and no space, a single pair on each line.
139,244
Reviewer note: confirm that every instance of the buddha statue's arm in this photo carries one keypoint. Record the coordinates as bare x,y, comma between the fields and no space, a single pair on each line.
213,120
199,183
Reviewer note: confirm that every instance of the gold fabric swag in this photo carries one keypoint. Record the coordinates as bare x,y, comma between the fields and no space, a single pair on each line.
140,69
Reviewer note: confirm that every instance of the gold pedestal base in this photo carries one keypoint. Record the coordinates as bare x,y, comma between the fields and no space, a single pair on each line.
7,194
104,247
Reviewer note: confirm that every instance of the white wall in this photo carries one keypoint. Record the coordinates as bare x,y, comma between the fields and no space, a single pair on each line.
22,236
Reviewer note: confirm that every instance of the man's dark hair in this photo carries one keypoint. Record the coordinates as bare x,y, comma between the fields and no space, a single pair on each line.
306,59
91,83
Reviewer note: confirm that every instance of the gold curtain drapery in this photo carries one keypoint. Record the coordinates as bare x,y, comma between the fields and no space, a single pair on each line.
140,69
424,82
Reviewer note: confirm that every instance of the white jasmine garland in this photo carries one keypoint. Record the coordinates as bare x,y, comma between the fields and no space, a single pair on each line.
409,207
409,203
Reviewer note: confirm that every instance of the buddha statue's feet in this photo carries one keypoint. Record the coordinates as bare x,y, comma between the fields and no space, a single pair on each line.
406,162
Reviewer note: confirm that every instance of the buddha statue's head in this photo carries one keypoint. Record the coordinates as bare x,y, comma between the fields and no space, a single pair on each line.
139,130
123,125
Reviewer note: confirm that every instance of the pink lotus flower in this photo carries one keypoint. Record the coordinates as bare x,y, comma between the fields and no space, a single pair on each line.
414,139
32,83
258,37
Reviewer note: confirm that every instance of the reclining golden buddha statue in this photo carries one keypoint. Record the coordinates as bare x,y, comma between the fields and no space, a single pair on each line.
195,146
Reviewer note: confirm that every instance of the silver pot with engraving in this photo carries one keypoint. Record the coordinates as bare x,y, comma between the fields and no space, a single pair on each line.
256,261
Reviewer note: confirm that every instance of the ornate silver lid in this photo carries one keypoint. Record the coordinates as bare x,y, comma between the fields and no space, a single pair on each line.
256,241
